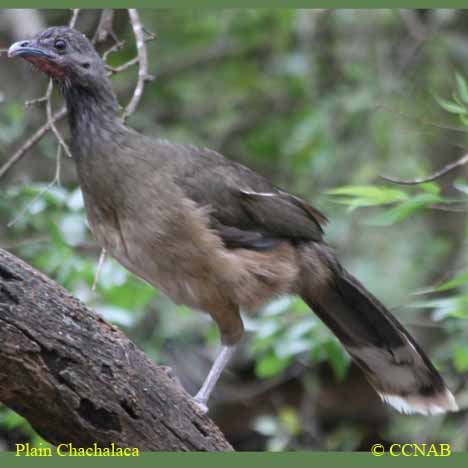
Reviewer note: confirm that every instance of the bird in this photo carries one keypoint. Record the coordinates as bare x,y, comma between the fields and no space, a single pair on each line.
216,236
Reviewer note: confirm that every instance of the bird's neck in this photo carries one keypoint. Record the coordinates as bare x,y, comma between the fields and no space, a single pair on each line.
93,116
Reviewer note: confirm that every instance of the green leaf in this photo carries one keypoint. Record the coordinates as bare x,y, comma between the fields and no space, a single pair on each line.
56,235
461,185
430,187
11,420
460,357
337,359
14,112
367,195
451,107
455,306
133,295
464,119
457,99
404,210
270,365
394,215
453,283
285,348
462,88
290,420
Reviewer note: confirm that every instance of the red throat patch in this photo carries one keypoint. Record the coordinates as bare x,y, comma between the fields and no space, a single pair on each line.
46,66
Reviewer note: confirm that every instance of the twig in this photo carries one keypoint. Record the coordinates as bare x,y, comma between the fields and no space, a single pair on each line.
57,134
117,46
47,98
26,242
436,175
74,17
143,75
123,67
150,35
419,120
55,181
48,95
33,102
105,29
31,141
449,208
102,257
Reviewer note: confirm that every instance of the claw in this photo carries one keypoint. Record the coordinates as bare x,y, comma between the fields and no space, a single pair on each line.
201,405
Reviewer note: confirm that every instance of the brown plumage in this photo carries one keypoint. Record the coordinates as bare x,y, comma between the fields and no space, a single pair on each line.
216,236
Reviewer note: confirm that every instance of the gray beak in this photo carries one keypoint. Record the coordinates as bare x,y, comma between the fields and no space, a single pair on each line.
27,48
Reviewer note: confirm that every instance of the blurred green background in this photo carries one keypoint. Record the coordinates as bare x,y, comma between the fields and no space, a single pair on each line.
321,102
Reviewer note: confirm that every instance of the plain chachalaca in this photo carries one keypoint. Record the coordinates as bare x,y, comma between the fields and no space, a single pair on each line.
214,235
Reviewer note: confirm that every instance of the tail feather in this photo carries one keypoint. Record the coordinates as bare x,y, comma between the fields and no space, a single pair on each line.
392,361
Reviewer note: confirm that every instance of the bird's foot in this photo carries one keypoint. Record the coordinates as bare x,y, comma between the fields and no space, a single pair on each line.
201,404
203,395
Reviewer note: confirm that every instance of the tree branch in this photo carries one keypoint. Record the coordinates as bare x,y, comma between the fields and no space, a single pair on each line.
105,26
80,380
436,175
74,17
142,53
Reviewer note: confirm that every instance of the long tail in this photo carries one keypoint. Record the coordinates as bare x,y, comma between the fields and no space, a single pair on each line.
392,361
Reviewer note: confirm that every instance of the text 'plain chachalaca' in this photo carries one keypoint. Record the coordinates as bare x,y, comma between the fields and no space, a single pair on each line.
216,236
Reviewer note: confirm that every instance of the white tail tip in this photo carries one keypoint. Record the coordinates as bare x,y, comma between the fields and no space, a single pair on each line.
436,404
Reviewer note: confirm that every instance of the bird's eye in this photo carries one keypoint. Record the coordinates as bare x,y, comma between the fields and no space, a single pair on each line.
60,44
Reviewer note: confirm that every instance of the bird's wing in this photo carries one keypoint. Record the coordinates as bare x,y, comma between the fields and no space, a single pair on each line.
246,209
283,214
234,238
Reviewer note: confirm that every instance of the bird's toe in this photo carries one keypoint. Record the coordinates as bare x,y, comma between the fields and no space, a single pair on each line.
201,405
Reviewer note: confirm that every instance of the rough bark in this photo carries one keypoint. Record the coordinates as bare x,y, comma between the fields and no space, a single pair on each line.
78,379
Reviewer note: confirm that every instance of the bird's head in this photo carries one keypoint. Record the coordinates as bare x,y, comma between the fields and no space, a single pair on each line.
64,54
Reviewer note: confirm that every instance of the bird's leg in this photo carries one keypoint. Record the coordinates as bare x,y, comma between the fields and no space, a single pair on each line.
201,398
